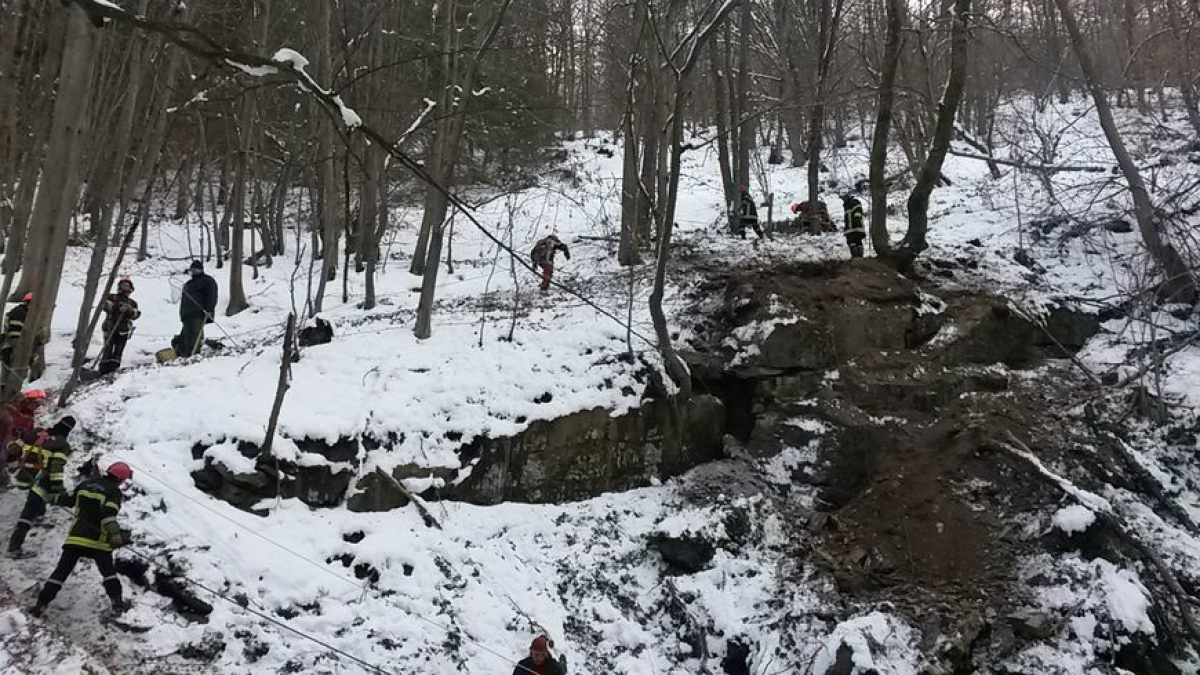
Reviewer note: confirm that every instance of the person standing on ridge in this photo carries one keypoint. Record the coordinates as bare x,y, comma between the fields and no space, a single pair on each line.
93,535
856,229
746,214
196,308
539,661
47,485
120,311
543,257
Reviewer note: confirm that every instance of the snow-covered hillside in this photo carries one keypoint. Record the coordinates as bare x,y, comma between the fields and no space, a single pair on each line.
399,596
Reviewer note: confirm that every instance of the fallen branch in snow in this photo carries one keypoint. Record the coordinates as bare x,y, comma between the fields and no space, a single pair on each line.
1145,481
696,632
1040,168
426,516
1107,517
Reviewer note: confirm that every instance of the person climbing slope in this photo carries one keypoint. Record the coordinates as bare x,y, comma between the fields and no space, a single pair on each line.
856,229
543,257
93,535
539,661
746,214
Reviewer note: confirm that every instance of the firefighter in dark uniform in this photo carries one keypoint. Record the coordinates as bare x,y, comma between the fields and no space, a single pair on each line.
48,484
14,324
120,311
28,450
746,214
93,535
856,229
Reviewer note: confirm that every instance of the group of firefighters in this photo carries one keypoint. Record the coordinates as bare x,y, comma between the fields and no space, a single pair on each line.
39,457
744,214
196,308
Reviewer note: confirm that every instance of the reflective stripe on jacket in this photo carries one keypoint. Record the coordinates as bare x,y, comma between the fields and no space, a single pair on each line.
97,502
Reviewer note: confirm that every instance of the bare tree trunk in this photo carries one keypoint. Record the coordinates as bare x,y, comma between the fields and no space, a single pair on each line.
896,10
325,166
281,388
110,180
939,144
458,77
628,248
720,99
1180,285
676,369
745,110
56,197
445,156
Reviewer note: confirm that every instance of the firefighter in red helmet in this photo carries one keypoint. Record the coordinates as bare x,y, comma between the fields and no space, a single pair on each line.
93,535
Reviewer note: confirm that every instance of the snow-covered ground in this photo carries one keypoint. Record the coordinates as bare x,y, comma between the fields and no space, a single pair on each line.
469,597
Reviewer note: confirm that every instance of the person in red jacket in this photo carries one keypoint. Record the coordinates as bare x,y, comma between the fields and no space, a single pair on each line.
16,424
539,661
543,257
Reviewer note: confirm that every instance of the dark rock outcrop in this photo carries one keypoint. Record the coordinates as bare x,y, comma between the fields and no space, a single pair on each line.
591,452
684,554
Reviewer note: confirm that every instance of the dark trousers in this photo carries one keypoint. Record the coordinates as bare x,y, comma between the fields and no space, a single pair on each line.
743,223
191,337
855,240
34,509
66,564
114,349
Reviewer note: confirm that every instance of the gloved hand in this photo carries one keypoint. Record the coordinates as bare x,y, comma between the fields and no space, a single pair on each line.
567,254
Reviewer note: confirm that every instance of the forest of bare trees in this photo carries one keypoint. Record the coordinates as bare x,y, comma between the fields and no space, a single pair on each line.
116,116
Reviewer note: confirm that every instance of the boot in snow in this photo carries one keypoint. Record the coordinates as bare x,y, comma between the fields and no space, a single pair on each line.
37,611
119,607
18,554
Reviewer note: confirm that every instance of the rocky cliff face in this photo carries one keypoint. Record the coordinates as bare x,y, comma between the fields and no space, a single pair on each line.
570,458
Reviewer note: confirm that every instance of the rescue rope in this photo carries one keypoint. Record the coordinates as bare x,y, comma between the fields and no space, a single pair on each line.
265,617
246,608
364,587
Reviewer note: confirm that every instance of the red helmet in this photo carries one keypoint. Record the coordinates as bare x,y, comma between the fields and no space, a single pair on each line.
795,208
120,471
28,297
36,395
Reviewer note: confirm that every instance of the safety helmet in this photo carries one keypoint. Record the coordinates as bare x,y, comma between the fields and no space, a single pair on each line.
125,281
120,471
795,208
36,395
28,297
